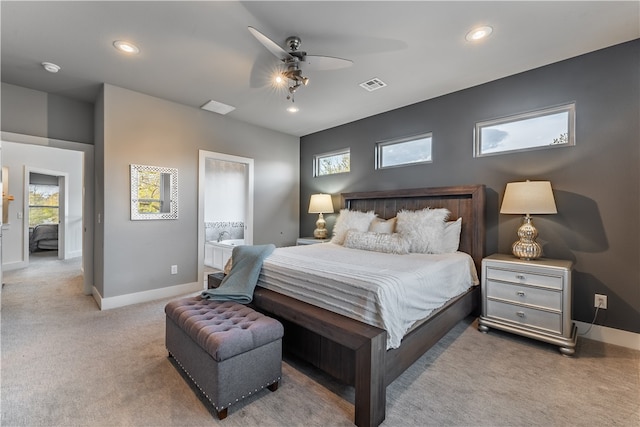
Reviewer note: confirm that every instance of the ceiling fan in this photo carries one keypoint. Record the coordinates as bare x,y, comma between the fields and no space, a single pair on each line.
294,58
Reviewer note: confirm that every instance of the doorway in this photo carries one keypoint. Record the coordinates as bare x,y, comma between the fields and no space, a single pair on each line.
225,207
46,219
71,164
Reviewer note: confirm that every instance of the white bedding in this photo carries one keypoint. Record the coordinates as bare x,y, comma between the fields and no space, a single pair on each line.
388,291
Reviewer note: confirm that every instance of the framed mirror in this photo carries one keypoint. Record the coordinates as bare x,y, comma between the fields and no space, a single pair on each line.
154,192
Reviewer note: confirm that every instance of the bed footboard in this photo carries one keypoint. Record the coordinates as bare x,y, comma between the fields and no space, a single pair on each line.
363,344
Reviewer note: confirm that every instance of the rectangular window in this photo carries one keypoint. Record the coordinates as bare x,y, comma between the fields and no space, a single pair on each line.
404,151
547,128
43,204
332,163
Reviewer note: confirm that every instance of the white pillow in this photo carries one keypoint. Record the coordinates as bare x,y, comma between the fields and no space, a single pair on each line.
451,241
379,225
380,242
424,228
350,220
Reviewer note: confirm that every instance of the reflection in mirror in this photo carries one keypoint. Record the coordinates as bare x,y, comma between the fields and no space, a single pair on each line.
154,192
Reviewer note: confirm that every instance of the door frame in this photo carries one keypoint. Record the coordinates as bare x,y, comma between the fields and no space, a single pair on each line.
203,155
63,206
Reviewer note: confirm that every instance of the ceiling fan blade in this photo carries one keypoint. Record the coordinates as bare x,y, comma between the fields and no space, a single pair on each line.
272,46
317,62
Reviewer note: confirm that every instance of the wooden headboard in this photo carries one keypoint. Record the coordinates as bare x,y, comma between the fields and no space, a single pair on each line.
466,201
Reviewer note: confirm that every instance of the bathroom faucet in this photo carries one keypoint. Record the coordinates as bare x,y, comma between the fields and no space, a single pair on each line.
222,233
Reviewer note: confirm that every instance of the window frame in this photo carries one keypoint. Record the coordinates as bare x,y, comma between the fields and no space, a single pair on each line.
30,206
318,157
380,145
569,108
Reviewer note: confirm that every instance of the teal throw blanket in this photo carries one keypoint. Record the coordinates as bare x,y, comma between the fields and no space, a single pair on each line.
239,284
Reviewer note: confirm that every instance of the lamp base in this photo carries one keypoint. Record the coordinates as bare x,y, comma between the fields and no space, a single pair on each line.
320,232
527,248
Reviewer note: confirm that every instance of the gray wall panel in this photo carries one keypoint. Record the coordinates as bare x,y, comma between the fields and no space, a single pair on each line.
31,112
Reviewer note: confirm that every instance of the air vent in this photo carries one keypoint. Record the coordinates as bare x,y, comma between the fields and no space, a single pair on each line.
218,107
373,84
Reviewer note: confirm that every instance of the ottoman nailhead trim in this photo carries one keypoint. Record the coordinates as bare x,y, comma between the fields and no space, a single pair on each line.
205,393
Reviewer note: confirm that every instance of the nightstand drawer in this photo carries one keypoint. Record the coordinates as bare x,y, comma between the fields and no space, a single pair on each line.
525,277
525,316
525,295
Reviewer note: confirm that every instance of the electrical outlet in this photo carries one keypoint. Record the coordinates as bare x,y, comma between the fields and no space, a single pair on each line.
600,301
174,269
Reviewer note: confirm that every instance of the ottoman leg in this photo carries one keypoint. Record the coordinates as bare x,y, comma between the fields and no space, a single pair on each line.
273,387
222,414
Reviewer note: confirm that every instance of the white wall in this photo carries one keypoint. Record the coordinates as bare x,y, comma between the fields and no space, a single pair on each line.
20,157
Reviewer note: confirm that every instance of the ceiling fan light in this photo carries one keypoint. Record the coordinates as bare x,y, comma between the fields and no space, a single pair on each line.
293,109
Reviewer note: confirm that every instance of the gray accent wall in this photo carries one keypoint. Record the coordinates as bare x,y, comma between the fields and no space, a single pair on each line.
596,183
136,256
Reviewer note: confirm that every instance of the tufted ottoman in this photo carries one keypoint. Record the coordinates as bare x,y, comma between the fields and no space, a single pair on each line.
229,350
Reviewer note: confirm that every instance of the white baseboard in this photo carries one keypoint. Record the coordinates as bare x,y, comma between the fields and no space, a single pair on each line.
609,335
16,265
73,254
145,296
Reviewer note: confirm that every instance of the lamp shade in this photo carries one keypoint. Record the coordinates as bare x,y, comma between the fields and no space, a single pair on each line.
529,197
320,203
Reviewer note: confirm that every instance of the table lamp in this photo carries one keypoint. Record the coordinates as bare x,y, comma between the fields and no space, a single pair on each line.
529,197
320,203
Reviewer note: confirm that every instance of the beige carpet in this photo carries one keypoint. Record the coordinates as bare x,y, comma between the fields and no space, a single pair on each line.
65,363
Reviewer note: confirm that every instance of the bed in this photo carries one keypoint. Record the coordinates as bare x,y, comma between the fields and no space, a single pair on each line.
43,237
357,353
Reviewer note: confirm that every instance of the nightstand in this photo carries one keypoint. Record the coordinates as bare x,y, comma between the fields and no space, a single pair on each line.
529,298
310,241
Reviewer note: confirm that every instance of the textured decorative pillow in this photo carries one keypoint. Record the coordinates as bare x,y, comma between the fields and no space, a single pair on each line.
380,242
424,228
379,225
451,241
348,220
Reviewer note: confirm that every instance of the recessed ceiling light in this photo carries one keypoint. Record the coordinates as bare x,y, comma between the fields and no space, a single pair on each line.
293,109
51,67
478,33
126,47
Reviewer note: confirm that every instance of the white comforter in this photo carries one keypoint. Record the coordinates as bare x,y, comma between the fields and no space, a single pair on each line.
388,291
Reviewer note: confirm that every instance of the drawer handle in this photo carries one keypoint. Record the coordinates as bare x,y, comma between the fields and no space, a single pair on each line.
520,293
520,314
521,276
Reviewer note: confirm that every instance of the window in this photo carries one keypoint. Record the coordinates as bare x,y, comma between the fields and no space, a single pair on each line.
332,163
404,151
43,204
551,127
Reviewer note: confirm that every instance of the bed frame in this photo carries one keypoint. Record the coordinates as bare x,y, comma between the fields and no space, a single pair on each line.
354,352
